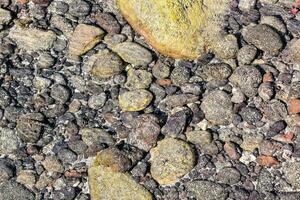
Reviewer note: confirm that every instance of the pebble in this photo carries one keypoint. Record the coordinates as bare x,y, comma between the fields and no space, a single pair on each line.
264,37
60,93
133,53
275,22
201,189
106,64
83,39
27,178
145,132
251,141
294,52
294,106
200,138
228,175
29,39
62,24
251,115
12,191
180,76
108,22
225,48
291,173
4,98
79,8
215,71
97,101
138,79
246,5
52,164
175,124
177,100
9,141
170,160
275,110
247,78
113,158
5,16
96,137
246,54
266,91
107,184
217,107
6,171
161,70
231,150
45,61
135,100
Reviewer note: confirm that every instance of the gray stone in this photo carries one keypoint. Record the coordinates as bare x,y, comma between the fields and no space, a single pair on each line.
180,76
292,174
217,107
14,191
251,115
96,136
138,79
275,22
5,16
160,70
228,175
246,54
275,110
266,91
97,101
9,141
215,71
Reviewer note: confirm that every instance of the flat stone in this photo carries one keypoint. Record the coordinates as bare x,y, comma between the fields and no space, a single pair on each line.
135,100
217,107
192,27
96,136
206,190
14,191
251,141
215,71
170,160
292,173
108,184
9,141
133,53
83,39
29,39
200,138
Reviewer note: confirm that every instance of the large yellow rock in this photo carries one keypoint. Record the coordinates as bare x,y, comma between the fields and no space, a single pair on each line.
179,28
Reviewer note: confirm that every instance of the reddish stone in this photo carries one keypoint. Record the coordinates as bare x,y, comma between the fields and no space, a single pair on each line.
286,138
294,106
164,82
267,161
231,151
268,77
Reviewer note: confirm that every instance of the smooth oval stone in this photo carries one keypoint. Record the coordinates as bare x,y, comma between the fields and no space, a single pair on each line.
178,28
136,100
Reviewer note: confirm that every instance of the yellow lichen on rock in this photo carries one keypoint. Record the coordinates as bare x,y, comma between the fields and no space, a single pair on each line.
177,28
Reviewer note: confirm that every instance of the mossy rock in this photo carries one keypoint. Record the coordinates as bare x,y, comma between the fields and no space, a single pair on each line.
182,29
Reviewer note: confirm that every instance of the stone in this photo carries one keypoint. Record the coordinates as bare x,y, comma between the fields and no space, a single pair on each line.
79,8
138,79
96,136
113,158
133,53
9,141
108,22
207,190
247,78
217,107
160,70
145,132
294,106
294,52
178,23
275,110
27,178
177,100
267,161
264,37
226,47
105,64
251,115
62,24
275,22
107,184
135,100
45,61
180,75
60,93
246,5
5,16
29,39
231,150
200,138
52,164
228,175
170,160
246,54
292,173
83,39
215,71
266,91
6,171
176,123
30,126
97,101
251,141
14,191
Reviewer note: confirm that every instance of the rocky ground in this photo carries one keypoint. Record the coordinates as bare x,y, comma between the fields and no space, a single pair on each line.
76,81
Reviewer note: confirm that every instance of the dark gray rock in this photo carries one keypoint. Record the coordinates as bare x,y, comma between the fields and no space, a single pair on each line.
14,191
251,115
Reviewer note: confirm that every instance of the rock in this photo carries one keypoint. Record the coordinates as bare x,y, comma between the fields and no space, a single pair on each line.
206,190
179,100
215,71
109,185
135,100
30,126
27,178
14,191
97,101
29,39
52,164
265,181
177,23
6,171
294,52
170,160
246,54
264,37
217,107
4,98
180,76
231,150
105,64
228,175
96,136
66,156
83,39
175,124
246,5
237,96
275,110
108,22
45,61
251,115
161,70
200,138
145,132
247,78
79,8
267,161
266,91
138,79
251,141
275,22
133,53
226,48
62,24
294,106
114,159
9,141
60,93
5,16
292,173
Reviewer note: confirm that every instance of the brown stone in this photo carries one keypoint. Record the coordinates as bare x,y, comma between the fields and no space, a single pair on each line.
294,106
267,161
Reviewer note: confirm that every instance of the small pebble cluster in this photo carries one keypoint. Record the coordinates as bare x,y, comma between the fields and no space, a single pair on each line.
88,110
